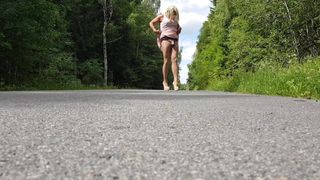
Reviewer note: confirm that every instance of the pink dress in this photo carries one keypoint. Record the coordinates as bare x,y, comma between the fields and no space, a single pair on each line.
169,31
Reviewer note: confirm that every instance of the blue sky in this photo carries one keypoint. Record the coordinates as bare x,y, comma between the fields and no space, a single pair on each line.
192,15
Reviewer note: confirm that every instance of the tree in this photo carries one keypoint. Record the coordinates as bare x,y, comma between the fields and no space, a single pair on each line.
32,34
107,12
40,38
240,36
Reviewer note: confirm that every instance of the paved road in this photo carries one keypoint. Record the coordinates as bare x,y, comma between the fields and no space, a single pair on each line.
137,134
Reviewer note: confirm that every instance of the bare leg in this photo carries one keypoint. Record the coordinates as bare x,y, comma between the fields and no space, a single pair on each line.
174,66
166,52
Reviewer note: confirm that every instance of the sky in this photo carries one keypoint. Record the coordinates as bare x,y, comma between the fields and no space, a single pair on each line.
192,15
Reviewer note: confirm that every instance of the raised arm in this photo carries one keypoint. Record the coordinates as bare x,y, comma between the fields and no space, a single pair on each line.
153,22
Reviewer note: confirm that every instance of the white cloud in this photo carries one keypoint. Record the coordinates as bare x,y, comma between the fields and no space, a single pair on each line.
192,15
186,5
191,22
188,49
183,73
187,53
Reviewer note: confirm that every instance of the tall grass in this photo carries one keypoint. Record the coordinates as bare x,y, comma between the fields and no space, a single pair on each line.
48,86
298,80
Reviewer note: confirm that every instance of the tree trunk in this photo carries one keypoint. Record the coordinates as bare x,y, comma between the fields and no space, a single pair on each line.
107,13
105,55
295,41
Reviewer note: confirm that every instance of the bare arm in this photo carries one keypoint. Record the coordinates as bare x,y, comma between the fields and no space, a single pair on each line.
153,22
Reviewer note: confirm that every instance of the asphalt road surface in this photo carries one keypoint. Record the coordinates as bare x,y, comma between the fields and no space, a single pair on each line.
140,134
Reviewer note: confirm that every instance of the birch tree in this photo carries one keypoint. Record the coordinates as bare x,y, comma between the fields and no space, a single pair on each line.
107,13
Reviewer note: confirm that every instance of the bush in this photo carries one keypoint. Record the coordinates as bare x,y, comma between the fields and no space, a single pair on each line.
60,74
297,80
91,72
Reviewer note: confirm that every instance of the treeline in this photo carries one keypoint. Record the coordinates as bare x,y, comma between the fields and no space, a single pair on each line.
49,44
262,46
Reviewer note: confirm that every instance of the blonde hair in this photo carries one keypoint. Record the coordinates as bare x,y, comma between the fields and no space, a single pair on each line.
172,10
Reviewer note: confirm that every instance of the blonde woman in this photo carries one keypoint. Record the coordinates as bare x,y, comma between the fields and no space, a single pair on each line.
168,37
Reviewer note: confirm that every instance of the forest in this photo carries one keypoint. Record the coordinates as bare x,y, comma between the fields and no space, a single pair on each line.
263,47
55,44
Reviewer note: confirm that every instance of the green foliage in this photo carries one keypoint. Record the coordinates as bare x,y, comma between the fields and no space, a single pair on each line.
297,80
133,58
211,46
241,37
54,44
30,31
274,79
91,72
246,49
146,59
60,72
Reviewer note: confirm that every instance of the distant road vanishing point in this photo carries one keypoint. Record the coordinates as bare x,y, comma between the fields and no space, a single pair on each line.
149,134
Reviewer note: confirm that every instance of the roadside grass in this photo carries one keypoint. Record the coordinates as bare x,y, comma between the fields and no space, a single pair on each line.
296,81
54,87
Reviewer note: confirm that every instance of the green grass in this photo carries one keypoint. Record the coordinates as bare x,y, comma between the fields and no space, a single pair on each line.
296,81
53,87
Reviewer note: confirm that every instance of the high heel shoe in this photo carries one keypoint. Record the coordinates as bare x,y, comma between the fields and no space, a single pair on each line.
175,86
165,87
